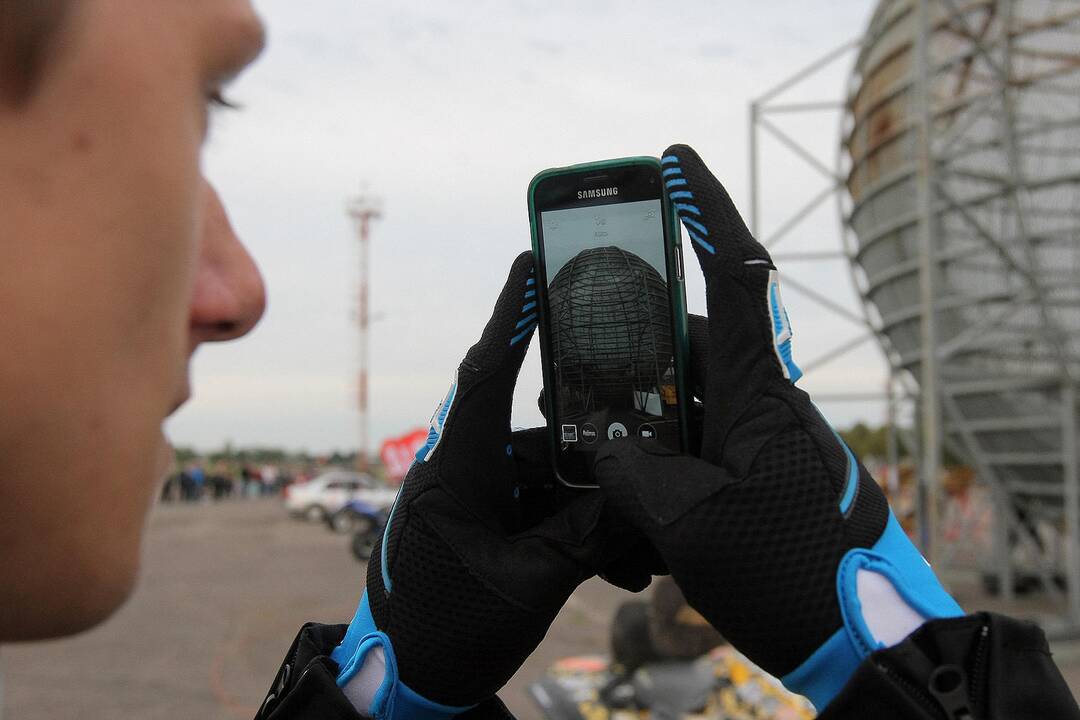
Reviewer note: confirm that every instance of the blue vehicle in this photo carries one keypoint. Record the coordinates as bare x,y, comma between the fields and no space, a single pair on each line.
366,523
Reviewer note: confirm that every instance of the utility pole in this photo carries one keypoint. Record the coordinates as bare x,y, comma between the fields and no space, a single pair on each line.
363,209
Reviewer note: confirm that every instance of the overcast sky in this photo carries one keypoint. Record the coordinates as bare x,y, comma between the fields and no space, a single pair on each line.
445,111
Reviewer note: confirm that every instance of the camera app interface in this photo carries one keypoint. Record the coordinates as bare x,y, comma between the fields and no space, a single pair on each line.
611,339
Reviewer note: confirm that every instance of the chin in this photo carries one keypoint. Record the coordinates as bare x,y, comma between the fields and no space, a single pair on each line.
83,609
69,559
75,599
92,609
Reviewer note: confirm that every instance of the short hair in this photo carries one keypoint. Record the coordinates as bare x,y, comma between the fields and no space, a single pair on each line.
28,29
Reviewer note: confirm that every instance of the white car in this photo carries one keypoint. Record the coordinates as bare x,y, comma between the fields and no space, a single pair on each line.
324,495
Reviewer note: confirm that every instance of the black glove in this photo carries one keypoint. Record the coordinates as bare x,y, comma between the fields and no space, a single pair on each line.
777,535
466,579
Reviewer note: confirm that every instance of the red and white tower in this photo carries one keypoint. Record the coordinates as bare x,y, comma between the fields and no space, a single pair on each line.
363,209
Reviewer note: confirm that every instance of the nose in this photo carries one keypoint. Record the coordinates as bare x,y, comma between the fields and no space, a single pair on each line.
229,296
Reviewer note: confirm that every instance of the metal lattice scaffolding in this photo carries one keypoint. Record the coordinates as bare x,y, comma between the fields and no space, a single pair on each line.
958,183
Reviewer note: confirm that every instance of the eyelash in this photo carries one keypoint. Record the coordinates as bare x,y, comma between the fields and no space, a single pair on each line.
217,99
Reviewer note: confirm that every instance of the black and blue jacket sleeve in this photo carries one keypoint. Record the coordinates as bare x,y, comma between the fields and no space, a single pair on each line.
305,687
978,667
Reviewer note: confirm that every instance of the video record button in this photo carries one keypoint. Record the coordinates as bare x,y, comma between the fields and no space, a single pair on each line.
646,430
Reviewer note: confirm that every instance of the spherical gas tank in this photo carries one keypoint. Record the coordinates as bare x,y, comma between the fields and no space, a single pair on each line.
611,327
1003,102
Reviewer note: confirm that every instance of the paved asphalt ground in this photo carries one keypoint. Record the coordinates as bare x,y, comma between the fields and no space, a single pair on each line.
224,589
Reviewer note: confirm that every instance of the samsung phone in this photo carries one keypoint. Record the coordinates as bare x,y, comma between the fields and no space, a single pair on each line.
612,310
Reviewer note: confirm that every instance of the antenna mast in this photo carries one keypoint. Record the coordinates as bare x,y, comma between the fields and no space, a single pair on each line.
363,209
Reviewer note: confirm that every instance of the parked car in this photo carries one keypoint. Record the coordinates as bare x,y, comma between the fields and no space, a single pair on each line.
324,495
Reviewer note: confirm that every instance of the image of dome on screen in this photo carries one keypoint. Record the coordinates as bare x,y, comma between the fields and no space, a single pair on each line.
611,330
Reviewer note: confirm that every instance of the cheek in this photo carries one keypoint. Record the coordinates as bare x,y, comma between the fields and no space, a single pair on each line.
135,145
102,205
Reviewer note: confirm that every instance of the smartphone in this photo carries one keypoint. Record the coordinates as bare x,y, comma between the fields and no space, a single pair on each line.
612,310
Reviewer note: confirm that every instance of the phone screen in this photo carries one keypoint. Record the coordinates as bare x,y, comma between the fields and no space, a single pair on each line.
611,349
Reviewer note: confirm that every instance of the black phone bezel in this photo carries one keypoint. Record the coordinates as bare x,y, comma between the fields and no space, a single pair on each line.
637,179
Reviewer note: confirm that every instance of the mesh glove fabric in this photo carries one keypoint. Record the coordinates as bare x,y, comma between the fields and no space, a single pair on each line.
777,534
467,577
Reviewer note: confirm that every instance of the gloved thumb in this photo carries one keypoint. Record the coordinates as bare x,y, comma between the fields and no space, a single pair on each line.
470,430
650,486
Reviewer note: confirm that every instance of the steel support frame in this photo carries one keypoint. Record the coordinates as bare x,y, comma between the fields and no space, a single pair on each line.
936,153
1014,187
862,316
929,376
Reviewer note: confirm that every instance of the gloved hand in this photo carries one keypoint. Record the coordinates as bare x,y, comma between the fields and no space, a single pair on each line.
777,534
468,575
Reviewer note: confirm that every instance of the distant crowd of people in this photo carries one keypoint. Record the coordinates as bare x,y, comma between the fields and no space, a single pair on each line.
194,482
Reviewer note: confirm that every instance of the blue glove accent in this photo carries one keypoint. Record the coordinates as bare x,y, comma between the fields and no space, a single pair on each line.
852,477
781,329
394,700
361,626
528,322
695,230
893,556
851,484
823,675
437,422
435,431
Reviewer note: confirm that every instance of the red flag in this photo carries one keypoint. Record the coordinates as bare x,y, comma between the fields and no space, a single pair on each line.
398,453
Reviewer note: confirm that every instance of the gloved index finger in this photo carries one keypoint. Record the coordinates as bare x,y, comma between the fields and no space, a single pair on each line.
749,336
506,336
491,366
720,238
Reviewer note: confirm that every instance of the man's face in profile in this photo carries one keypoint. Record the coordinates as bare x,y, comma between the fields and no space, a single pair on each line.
118,260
